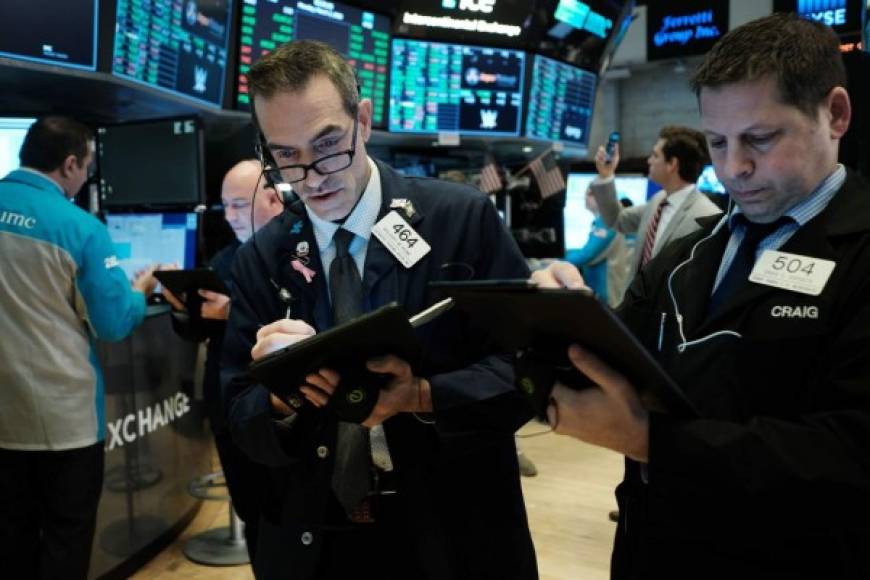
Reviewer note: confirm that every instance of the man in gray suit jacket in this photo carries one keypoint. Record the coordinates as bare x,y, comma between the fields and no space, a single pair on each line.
675,163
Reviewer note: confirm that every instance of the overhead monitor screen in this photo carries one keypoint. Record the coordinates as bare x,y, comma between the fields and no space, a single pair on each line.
143,239
708,182
363,37
684,28
578,219
50,32
439,87
151,164
561,98
844,16
176,45
12,132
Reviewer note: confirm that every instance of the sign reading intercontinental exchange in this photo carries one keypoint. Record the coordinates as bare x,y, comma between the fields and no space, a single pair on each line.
684,28
490,19
146,420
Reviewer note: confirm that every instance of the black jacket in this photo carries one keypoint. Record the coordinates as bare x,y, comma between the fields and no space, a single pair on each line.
457,479
774,480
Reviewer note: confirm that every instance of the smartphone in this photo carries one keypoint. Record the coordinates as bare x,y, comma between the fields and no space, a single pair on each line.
610,148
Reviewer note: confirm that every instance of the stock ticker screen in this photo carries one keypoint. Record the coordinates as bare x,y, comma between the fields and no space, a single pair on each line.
439,87
175,45
561,99
363,37
40,31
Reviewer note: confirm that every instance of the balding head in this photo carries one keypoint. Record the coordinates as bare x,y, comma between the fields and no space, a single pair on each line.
237,194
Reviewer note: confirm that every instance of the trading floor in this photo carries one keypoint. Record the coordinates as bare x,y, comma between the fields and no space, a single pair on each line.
567,502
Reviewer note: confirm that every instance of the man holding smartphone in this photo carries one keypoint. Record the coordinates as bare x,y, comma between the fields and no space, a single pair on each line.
677,159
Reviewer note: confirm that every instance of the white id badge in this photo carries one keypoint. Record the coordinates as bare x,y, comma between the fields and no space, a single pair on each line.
794,272
400,239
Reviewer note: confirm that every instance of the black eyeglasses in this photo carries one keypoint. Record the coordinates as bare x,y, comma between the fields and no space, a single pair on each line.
325,165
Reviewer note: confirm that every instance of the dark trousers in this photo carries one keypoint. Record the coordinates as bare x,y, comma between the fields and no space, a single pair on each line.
384,549
48,511
245,480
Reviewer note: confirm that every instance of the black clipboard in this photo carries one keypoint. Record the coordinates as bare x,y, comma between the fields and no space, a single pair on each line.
521,316
345,349
180,281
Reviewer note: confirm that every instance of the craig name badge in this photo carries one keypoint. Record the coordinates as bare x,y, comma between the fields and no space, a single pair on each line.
794,272
400,239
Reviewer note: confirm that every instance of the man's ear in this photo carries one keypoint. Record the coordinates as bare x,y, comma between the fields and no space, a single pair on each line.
364,110
70,163
838,108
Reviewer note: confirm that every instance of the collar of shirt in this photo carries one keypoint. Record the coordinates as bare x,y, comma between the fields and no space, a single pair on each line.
801,213
674,201
45,177
360,222
677,198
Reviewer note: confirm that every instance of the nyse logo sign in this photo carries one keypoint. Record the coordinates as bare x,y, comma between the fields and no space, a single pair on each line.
827,12
485,6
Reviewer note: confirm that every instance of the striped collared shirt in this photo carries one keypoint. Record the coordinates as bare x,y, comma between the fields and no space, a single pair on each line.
800,213
360,222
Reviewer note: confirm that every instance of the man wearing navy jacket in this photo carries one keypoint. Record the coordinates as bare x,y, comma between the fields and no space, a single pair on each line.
762,318
439,495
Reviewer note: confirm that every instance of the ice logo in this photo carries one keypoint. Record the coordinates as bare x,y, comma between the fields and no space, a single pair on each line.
200,77
488,119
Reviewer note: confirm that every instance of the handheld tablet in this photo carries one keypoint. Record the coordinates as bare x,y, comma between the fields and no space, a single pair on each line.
180,281
540,323
345,349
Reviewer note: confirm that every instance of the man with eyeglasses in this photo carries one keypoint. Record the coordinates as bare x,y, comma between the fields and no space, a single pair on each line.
249,203
428,486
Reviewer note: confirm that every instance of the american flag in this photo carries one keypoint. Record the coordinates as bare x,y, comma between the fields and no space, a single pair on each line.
490,179
547,174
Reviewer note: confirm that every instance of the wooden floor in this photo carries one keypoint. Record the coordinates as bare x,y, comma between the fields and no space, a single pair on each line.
567,502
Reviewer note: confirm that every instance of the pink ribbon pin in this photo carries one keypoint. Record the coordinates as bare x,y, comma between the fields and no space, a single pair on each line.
307,272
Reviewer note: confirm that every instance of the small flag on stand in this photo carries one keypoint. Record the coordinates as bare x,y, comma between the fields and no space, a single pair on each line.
490,178
547,174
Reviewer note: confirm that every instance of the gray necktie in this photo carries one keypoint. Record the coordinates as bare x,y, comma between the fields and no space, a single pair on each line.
351,476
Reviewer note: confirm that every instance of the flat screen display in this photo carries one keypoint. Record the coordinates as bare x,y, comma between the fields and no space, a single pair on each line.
709,183
143,239
683,28
175,45
561,99
151,164
578,219
844,16
363,37
12,132
51,32
437,87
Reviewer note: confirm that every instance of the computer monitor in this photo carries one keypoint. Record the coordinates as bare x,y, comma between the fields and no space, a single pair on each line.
150,164
709,183
180,47
51,32
578,219
12,132
561,98
143,239
633,188
362,36
473,90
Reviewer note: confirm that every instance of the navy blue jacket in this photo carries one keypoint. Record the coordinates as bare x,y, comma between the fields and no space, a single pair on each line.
457,478
773,481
